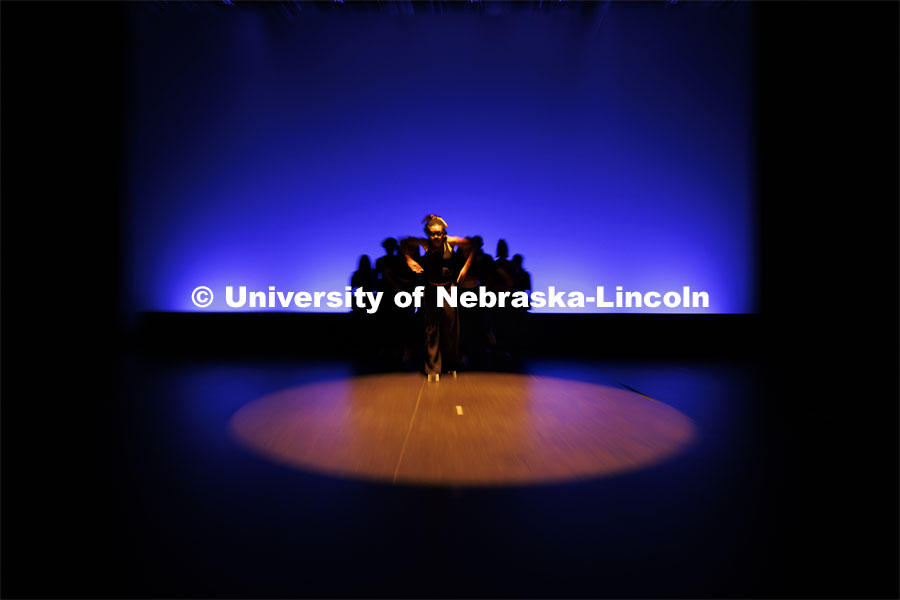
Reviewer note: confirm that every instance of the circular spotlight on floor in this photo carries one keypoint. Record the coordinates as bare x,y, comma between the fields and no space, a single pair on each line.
480,429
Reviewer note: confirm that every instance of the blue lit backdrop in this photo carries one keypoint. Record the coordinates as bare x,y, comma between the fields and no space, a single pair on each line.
607,143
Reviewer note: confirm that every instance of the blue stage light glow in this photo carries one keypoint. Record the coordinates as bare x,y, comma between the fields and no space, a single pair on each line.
266,151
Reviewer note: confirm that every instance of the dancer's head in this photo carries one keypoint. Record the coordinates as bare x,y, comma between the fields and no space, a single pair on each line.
390,245
435,229
502,249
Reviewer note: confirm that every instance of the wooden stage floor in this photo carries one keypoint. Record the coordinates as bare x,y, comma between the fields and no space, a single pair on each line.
475,429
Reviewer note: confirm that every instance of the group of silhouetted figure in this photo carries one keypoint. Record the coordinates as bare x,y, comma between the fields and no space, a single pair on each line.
392,337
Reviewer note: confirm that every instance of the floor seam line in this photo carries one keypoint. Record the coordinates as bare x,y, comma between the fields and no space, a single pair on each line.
626,386
408,431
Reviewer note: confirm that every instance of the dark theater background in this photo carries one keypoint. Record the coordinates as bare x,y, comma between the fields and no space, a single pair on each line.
154,448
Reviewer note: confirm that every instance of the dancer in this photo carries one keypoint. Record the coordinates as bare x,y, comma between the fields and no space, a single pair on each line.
441,268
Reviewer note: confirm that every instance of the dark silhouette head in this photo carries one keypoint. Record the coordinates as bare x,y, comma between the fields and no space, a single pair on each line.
502,249
517,260
365,264
390,245
477,242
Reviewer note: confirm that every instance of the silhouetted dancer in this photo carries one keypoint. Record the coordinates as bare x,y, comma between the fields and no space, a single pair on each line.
521,276
475,330
440,267
502,319
520,318
386,268
391,332
503,269
363,277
